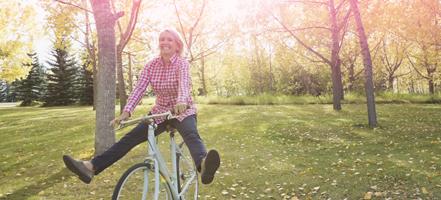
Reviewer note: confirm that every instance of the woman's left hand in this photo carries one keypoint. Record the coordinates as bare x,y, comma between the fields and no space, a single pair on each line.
180,108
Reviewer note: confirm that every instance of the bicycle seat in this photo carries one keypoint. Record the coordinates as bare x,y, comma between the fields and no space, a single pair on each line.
170,129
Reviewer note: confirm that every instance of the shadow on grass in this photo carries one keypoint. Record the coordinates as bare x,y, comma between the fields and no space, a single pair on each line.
35,188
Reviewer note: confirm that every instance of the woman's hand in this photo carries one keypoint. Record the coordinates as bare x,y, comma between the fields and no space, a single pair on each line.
125,115
180,108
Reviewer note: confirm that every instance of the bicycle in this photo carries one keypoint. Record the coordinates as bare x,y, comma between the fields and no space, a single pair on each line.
179,184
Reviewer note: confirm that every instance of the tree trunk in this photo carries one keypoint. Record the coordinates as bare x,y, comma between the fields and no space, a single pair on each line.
431,87
95,83
105,109
367,61
337,86
121,84
203,80
92,54
351,77
130,73
390,83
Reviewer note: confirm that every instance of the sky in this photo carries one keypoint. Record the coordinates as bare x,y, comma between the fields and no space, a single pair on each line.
42,43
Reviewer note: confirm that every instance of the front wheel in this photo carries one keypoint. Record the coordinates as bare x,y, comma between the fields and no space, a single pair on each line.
138,182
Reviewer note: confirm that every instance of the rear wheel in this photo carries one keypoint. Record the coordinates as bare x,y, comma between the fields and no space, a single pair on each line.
138,182
187,174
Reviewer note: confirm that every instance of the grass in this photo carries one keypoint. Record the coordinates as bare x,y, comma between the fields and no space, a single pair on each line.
350,98
268,152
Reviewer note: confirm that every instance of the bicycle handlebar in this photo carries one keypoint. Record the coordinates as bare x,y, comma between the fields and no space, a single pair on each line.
168,115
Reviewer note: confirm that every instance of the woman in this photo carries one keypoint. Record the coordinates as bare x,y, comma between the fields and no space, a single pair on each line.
170,79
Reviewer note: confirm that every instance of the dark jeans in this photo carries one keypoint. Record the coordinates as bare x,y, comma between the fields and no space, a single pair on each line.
187,128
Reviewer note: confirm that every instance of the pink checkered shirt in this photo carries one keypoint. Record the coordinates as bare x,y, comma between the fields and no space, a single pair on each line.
171,85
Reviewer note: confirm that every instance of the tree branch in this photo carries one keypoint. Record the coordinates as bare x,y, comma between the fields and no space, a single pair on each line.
132,23
74,5
414,67
300,41
181,26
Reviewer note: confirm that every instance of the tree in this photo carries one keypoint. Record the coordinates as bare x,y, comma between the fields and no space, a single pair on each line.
90,43
425,57
85,84
369,86
105,110
392,58
336,27
192,19
89,38
17,20
11,90
4,91
123,40
61,79
32,87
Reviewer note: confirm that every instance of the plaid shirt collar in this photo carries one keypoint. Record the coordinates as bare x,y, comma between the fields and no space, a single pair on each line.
173,59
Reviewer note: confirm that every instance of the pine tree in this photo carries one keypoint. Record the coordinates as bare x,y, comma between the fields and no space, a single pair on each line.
31,88
13,93
85,85
4,91
61,79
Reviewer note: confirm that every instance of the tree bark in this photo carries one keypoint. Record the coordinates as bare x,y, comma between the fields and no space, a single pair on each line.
130,74
431,87
121,84
90,45
390,82
124,39
367,61
337,86
351,77
202,71
105,109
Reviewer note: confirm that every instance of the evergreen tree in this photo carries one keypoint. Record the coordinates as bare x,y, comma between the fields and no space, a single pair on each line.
61,79
4,91
85,91
13,93
31,88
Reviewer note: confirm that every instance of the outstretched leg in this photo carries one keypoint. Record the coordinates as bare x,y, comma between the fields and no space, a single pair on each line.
123,146
86,169
207,163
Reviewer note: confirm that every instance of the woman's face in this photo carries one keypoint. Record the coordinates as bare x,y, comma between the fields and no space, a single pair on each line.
167,44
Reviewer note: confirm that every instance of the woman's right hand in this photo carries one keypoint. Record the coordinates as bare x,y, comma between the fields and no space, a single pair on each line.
124,116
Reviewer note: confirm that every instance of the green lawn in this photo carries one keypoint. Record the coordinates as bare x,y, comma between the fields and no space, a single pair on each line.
268,152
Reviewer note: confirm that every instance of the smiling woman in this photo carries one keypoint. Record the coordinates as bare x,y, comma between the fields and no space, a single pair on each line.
170,42
169,76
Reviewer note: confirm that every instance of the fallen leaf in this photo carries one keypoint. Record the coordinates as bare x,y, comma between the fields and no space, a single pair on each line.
368,195
424,190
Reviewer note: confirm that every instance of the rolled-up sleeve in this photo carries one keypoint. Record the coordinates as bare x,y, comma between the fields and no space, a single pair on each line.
183,81
139,90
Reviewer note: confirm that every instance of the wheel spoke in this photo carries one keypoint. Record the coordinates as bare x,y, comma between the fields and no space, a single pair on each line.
138,182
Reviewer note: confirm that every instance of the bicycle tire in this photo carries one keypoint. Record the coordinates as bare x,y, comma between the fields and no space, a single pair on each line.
134,183
192,193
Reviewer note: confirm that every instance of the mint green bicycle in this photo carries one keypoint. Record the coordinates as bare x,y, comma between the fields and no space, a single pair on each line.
151,179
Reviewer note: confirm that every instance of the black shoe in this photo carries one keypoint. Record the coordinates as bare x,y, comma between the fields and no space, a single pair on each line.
78,168
209,166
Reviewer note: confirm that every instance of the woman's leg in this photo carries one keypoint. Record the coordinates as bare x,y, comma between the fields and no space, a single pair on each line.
188,130
207,163
124,145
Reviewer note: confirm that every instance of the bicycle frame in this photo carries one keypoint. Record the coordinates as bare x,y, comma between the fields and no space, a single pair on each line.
160,166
